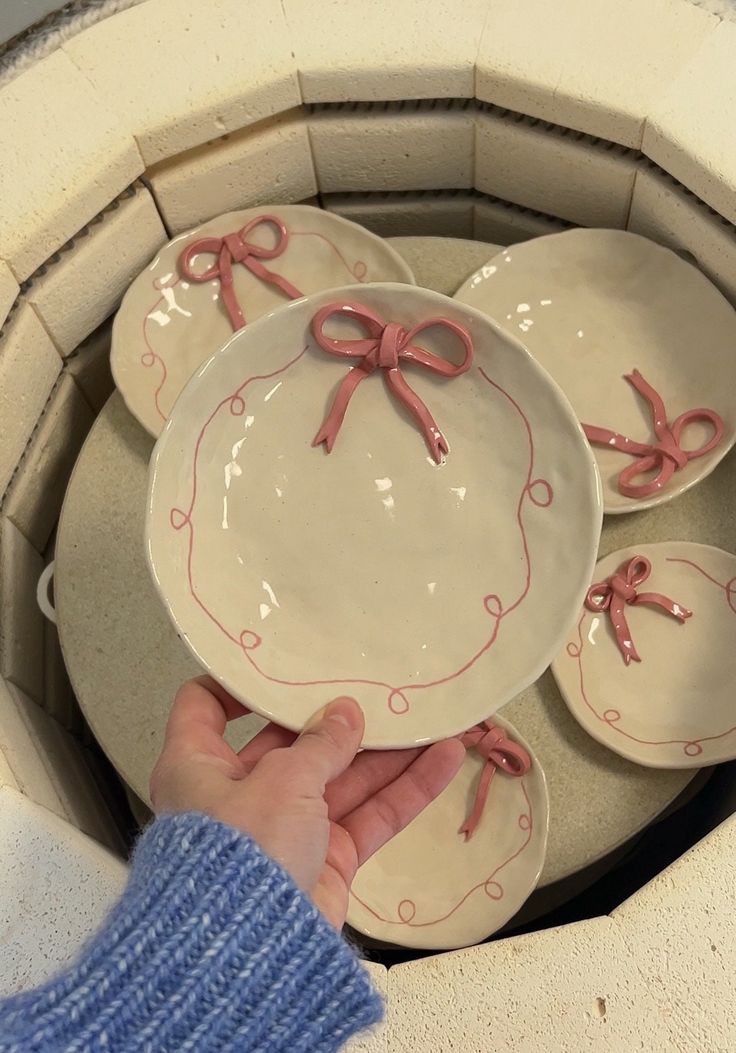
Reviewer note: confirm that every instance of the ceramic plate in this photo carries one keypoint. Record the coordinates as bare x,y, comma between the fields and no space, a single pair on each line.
429,887
433,592
674,706
169,324
593,306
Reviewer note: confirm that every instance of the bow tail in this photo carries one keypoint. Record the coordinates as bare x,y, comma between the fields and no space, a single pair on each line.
626,646
656,404
606,437
481,796
435,439
257,268
332,422
227,289
656,599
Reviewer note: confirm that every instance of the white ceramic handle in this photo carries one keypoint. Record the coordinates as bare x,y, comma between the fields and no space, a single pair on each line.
42,592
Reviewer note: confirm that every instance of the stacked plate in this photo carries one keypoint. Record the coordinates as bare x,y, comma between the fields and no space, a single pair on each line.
364,487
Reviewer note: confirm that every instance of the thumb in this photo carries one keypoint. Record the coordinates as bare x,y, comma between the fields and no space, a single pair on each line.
329,742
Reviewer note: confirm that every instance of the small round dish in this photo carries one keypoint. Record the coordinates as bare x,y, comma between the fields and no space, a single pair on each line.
430,564
651,666
633,335
208,283
431,888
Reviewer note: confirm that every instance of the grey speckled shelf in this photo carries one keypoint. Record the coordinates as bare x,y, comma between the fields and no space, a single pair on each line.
18,15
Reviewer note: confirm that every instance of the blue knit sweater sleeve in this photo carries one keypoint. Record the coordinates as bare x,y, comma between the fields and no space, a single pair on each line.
212,947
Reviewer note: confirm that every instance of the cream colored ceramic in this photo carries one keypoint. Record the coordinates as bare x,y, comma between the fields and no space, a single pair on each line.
593,305
430,888
675,707
432,592
167,326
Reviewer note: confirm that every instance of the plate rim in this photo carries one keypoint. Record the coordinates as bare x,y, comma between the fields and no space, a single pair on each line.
513,733
596,729
725,446
375,740
117,360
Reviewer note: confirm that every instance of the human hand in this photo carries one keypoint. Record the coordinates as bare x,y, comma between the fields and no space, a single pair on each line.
307,799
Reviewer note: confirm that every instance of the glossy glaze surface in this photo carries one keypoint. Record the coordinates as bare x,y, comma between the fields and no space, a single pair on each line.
433,593
594,305
675,707
431,888
621,589
388,347
653,464
167,325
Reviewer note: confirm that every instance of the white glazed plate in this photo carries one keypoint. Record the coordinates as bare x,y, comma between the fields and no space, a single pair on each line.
675,707
594,305
430,888
167,326
433,593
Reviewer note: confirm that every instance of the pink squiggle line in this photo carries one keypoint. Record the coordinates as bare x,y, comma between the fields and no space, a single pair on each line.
179,519
490,880
351,270
611,717
728,587
248,640
151,354
154,357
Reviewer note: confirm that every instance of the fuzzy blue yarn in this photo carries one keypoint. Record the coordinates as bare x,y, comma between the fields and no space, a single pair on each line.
212,947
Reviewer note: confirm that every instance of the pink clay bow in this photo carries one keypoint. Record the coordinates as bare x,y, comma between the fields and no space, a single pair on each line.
235,248
667,455
499,752
387,346
615,592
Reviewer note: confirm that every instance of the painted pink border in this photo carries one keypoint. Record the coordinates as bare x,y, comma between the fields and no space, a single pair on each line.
248,640
149,358
612,717
406,909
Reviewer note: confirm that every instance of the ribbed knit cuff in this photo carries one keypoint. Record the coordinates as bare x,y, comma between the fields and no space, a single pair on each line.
212,947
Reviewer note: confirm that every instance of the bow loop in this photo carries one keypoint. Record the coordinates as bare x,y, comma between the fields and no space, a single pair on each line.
499,752
620,589
387,345
235,248
667,455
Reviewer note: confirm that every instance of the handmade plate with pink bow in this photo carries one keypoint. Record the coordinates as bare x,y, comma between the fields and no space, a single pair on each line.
641,343
209,283
650,668
470,860
374,492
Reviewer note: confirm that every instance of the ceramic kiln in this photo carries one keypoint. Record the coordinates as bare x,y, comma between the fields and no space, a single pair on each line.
495,122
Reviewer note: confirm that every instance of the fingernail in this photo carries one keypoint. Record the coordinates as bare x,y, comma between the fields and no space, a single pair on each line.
346,711
314,719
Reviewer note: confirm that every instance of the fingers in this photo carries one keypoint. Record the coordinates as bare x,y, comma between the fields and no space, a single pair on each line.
328,743
385,814
202,704
369,773
330,894
272,737
233,708
195,728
